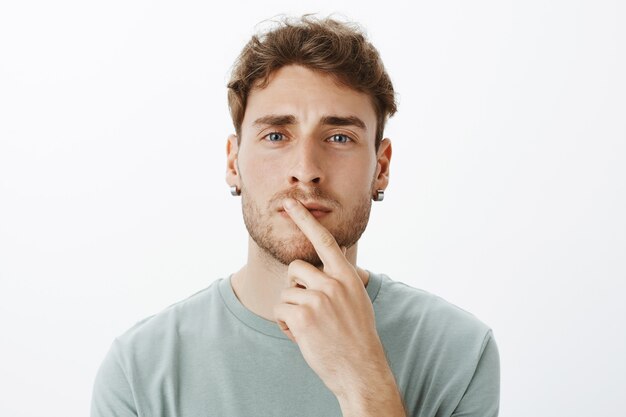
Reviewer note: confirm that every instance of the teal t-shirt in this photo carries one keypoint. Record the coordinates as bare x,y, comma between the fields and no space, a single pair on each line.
209,355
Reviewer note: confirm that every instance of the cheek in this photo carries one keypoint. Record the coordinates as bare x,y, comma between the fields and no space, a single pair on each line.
258,173
355,179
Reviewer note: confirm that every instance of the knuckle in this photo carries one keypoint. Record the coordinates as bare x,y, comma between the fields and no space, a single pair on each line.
305,316
332,288
293,267
295,264
318,301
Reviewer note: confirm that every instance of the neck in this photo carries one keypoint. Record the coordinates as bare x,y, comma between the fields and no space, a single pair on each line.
259,282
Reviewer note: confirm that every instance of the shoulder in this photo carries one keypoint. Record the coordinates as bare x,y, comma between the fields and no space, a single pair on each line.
148,351
407,310
170,324
436,343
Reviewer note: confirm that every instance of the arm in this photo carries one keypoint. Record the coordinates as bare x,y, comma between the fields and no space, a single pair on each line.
112,395
380,397
482,397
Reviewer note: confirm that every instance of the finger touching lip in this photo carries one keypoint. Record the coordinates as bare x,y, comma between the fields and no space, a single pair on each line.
316,213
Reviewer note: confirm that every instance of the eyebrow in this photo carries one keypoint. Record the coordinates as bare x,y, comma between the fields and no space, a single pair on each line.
343,121
275,120
288,119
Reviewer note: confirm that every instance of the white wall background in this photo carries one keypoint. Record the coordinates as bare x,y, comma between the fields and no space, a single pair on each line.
507,198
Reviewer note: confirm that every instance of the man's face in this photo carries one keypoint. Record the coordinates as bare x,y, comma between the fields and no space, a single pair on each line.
307,137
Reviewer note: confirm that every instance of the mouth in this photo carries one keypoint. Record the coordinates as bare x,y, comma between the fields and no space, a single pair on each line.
316,209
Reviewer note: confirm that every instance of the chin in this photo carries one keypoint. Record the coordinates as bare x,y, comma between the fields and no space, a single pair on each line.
289,250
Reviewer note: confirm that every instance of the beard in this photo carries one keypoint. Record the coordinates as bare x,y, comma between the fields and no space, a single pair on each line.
347,227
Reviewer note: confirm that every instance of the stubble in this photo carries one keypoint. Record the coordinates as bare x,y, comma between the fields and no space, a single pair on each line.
348,224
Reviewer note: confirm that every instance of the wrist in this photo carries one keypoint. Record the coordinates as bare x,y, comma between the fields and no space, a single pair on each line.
376,397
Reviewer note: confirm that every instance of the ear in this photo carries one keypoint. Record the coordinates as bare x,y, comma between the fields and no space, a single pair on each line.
383,159
232,171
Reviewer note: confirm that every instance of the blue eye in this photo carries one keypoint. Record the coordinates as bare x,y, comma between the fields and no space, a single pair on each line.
274,136
339,138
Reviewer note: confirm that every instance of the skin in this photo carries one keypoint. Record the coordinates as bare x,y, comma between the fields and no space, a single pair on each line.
301,269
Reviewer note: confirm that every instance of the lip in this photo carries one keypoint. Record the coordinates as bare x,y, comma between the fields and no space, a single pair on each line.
315,206
316,209
316,213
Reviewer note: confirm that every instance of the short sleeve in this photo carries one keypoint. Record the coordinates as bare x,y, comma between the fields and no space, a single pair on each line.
482,397
112,394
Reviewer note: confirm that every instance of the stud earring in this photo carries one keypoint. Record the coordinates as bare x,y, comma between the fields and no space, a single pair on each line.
379,196
234,191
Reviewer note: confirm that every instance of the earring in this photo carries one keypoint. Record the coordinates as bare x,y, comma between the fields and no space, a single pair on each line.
234,191
380,195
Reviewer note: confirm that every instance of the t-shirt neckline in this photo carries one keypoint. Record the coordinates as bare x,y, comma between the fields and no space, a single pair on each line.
269,327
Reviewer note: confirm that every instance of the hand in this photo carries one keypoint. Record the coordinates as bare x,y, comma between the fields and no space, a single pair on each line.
331,318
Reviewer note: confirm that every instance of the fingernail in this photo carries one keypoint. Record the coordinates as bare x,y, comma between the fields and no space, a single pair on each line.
289,203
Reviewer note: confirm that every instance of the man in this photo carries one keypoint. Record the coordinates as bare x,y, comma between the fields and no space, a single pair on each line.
301,330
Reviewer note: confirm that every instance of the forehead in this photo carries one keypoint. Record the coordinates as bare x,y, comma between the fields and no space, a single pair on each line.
309,96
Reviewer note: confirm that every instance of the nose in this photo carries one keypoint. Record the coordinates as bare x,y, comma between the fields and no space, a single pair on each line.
306,164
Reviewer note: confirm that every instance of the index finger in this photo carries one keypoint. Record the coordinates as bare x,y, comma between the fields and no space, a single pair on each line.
323,241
